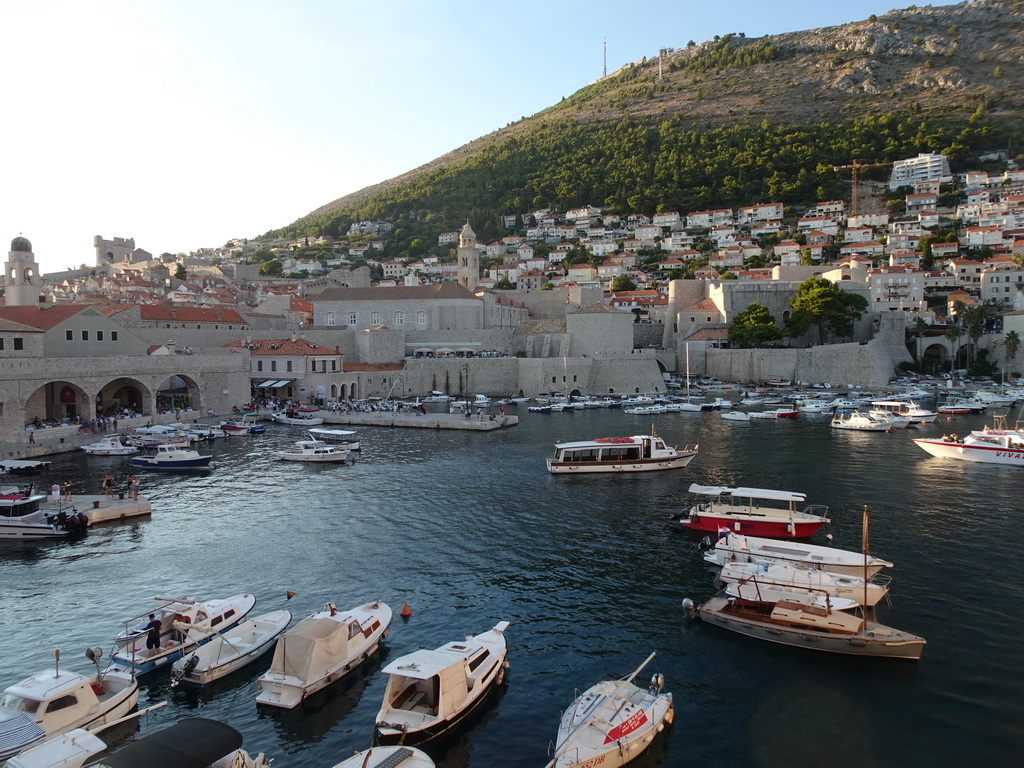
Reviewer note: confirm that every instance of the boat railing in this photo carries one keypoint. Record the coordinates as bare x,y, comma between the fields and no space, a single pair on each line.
817,510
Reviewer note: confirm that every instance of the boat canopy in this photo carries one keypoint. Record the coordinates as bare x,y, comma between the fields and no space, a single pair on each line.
314,644
747,493
195,742
424,664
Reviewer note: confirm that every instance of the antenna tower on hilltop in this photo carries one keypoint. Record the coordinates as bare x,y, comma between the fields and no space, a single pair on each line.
604,57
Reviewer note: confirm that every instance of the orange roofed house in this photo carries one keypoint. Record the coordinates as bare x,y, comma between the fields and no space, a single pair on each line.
300,369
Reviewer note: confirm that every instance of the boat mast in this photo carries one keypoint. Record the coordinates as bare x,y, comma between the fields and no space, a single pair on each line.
864,549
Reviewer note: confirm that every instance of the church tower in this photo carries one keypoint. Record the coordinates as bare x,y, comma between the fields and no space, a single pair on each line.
21,275
468,258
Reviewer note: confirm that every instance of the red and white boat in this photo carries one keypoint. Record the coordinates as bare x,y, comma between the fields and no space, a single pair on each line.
740,510
992,447
785,412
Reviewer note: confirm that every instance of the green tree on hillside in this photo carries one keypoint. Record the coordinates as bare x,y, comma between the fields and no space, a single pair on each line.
271,268
623,283
819,302
755,325
180,273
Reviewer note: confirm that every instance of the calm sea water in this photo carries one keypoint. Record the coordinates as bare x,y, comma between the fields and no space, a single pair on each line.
470,529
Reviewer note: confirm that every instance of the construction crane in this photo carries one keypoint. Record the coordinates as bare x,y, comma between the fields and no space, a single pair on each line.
854,168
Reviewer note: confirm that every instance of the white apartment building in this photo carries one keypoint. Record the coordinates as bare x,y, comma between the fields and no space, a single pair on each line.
925,167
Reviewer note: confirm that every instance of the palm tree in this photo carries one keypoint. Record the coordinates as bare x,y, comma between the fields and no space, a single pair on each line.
1011,343
974,322
953,333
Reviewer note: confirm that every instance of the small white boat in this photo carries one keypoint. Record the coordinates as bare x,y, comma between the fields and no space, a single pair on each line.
814,406
190,743
243,424
645,410
184,624
23,466
772,582
612,723
109,446
343,438
172,456
316,451
320,650
718,404
735,415
776,413
429,692
906,408
22,518
860,422
388,757
737,548
437,396
231,650
639,453
51,703
304,417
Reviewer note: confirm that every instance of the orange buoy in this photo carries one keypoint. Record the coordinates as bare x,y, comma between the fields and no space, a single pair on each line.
289,595
406,610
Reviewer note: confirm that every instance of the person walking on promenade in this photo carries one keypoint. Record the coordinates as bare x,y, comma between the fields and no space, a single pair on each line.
108,484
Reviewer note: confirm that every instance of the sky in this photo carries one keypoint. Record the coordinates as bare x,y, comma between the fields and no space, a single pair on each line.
184,124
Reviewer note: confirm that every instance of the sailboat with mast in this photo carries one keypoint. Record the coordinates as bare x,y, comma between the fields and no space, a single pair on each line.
811,621
689,405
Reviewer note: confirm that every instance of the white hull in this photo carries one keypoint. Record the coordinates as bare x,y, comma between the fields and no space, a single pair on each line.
278,688
378,757
233,650
652,465
982,454
735,548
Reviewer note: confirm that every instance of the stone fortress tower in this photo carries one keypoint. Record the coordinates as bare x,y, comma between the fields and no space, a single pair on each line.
21,287
468,258
113,251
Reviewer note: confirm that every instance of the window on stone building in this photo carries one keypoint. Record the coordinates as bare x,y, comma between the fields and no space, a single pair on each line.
259,365
19,343
69,335
85,335
375,318
1,344
399,318
288,366
99,335
334,365
352,318
113,335
273,365
330,318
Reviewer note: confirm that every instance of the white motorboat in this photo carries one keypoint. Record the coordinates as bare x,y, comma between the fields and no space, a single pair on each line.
785,412
744,510
23,466
316,451
437,396
109,446
808,625
388,757
343,438
814,406
639,453
860,422
320,650
771,582
612,722
429,692
155,435
51,703
985,448
892,420
719,404
645,410
906,408
243,424
189,743
735,416
172,456
303,417
231,650
184,625
737,548
22,518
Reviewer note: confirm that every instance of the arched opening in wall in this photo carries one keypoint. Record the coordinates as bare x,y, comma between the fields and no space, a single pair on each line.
27,275
334,391
56,403
786,314
575,393
123,395
964,354
661,366
935,358
177,393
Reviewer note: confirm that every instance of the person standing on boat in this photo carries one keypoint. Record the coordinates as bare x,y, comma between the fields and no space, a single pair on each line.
152,635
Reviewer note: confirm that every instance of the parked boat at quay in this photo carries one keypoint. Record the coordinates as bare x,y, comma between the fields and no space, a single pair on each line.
184,624
738,548
243,424
315,451
771,582
22,518
388,757
52,702
303,417
612,723
343,438
639,453
172,456
229,651
430,692
320,650
808,625
906,408
109,446
741,510
860,422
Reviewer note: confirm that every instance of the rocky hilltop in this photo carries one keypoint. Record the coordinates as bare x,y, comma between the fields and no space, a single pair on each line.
947,63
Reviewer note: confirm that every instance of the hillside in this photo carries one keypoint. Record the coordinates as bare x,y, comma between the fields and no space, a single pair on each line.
730,122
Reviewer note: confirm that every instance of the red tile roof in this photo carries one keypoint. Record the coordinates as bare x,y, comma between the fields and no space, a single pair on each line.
42,318
163,312
284,347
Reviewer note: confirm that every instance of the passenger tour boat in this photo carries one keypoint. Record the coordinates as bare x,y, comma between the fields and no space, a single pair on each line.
639,453
740,510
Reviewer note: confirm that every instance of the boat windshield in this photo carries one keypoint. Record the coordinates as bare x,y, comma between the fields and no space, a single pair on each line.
18,704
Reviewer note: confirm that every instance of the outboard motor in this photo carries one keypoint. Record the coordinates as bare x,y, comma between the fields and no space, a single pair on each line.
186,670
657,683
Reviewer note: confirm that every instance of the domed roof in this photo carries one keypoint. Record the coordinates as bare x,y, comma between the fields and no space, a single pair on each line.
21,244
467,232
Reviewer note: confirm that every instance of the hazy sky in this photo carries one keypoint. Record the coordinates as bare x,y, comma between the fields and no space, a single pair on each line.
186,123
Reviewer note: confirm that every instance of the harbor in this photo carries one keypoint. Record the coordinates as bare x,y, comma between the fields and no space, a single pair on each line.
589,571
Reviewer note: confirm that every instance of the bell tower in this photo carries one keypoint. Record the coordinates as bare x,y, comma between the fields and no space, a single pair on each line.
468,258
21,275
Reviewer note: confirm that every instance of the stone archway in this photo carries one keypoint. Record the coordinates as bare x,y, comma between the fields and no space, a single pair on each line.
935,358
178,393
123,394
58,402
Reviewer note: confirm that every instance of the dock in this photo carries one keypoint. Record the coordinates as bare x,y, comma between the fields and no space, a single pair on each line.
487,423
102,509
